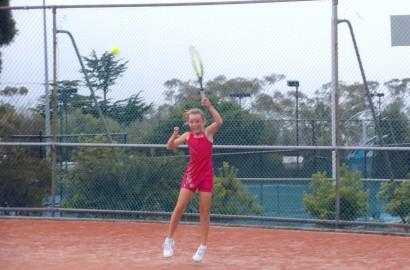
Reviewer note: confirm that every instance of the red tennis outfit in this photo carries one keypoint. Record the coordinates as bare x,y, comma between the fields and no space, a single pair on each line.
199,173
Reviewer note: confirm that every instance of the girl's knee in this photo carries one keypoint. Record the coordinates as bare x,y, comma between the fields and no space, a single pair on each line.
179,210
205,214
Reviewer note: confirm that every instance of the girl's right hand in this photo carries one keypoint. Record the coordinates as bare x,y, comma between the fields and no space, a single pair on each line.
176,131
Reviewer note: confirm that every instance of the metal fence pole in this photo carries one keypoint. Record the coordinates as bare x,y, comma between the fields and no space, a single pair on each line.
335,109
46,82
100,114
54,119
369,99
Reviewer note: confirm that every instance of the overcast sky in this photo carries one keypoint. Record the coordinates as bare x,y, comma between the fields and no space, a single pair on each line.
237,41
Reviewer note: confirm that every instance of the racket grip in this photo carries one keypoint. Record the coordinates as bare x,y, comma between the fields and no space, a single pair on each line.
202,92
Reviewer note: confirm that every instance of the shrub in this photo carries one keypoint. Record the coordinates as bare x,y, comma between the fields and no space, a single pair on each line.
230,196
320,202
398,198
108,178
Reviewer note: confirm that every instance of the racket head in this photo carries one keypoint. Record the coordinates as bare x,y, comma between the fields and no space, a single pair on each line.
196,62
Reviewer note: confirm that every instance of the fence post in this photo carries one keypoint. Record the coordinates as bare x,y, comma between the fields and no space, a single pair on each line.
54,119
335,111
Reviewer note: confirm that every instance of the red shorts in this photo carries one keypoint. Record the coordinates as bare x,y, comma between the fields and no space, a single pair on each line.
204,185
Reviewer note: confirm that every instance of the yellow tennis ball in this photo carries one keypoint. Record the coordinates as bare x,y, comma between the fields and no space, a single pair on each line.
115,51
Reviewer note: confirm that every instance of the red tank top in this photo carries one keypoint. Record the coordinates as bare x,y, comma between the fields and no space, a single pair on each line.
200,163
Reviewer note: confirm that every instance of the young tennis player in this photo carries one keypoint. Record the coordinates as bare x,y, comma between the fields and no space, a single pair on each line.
198,175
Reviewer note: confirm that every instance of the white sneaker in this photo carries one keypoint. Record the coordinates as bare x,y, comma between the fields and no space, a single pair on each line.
168,247
199,255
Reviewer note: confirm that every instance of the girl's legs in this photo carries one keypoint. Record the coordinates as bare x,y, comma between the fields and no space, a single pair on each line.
204,214
185,196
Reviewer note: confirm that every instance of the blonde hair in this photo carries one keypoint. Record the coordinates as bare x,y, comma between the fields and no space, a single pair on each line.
186,114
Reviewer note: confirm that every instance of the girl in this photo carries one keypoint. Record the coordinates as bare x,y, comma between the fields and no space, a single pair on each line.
198,175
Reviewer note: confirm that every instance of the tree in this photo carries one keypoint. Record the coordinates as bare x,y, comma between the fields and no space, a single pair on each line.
24,179
7,27
397,87
252,128
395,123
11,91
69,103
24,176
354,99
179,92
224,88
66,91
104,71
396,113
80,123
13,122
128,110
320,202
398,199
173,87
268,102
317,110
68,99
238,119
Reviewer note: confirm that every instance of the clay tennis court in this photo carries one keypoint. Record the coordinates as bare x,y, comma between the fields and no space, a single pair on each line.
56,244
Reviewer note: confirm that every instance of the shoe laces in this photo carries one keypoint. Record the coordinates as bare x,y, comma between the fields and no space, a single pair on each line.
201,251
168,244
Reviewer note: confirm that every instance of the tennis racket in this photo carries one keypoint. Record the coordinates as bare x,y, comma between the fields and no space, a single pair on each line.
196,61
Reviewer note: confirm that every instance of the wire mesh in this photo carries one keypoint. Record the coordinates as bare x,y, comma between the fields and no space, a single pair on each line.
253,55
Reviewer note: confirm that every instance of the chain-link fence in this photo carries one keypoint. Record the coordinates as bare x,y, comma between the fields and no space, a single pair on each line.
83,129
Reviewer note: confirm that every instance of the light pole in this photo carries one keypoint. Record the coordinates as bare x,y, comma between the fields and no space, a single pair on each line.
240,96
296,85
379,95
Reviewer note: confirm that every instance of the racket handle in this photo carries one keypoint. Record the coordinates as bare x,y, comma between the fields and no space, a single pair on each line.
202,92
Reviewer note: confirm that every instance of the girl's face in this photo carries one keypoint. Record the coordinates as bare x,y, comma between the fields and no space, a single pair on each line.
196,123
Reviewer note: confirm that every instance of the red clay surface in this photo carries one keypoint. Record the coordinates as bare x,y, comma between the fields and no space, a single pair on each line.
51,244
